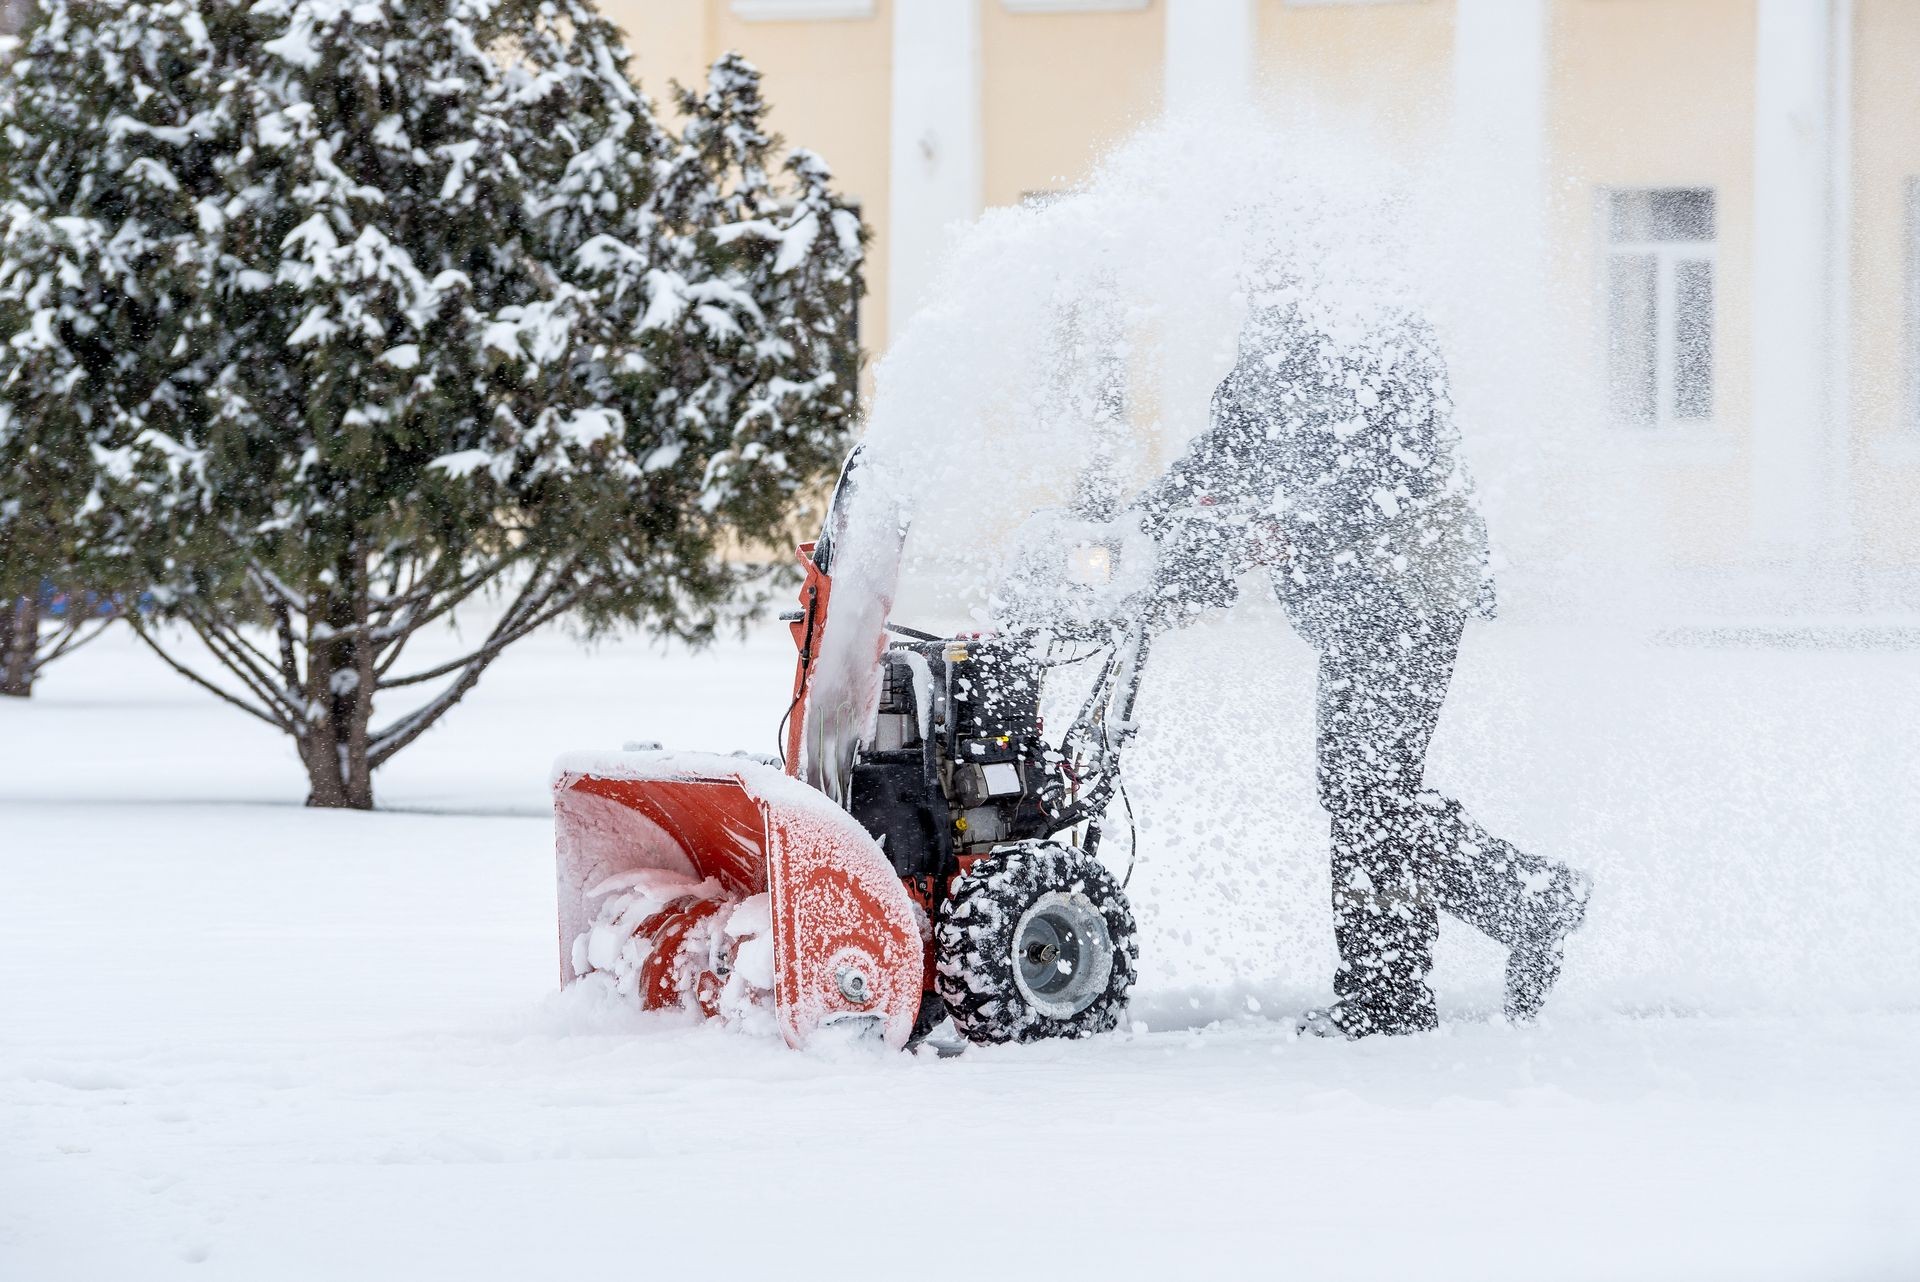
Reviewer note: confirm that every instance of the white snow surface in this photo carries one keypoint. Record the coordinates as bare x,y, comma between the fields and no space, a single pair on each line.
247,1040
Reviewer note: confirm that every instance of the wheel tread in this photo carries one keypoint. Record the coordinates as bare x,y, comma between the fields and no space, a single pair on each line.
973,968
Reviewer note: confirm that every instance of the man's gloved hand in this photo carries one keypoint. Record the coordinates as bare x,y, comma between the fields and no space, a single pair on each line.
1267,543
1203,552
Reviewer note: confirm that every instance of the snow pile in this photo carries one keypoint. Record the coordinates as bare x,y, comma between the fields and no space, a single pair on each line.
627,900
733,944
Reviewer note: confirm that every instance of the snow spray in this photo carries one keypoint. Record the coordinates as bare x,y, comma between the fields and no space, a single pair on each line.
1066,355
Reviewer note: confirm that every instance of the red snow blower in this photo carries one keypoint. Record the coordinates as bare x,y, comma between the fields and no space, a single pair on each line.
926,853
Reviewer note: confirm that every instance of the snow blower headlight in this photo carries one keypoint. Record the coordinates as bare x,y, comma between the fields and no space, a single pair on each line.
1090,565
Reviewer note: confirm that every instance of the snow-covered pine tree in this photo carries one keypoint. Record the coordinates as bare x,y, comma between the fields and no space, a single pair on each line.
466,319
97,284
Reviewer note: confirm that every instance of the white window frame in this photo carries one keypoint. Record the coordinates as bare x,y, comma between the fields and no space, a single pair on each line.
1667,256
800,10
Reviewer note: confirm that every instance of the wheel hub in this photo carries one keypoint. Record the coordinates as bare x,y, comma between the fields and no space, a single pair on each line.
1063,954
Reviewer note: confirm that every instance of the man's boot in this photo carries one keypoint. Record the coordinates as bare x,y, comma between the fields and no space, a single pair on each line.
1534,964
1384,925
1527,903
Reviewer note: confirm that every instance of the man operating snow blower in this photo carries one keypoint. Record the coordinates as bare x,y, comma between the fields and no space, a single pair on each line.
1331,459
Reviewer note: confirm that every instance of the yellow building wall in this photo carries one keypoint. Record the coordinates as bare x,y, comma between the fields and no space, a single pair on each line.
1059,89
670,40
1384,70
1660,93
829,83
1886,157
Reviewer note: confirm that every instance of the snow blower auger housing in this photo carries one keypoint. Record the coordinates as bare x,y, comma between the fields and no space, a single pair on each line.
926,852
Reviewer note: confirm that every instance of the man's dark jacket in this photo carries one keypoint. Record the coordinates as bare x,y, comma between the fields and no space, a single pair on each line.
1343,445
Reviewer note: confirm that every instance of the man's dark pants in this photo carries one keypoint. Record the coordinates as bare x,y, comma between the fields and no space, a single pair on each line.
1401,853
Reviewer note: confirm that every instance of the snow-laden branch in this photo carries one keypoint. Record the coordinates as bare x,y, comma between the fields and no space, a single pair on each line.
144,632
534,597
238,657
71,635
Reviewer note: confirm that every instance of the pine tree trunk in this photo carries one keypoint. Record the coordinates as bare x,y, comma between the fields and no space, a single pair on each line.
19,640
335,779
335,755
340,692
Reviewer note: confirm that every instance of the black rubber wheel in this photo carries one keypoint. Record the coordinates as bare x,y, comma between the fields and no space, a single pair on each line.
932,1011
1036,941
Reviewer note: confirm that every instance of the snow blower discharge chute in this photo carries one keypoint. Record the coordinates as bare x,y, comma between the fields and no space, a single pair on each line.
926,852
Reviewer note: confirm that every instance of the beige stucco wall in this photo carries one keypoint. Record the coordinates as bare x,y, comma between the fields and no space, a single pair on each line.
829,84
1660,93
1886,156
1058,90
669,39
1384,70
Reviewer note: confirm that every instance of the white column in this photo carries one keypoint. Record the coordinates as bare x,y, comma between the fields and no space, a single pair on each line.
1504,344
1500,107
1209,67
1837,544
1209,51
1792,213
935,152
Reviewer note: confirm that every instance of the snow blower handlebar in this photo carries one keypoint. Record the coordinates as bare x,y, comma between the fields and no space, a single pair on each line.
1118,587
1091,748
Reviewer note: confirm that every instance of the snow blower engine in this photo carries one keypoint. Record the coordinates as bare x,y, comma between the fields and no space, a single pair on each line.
927,850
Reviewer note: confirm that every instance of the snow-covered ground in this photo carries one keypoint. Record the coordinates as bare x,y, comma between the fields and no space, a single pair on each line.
241,1039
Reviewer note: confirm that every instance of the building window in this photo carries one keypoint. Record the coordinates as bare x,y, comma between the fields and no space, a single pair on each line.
1659,304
